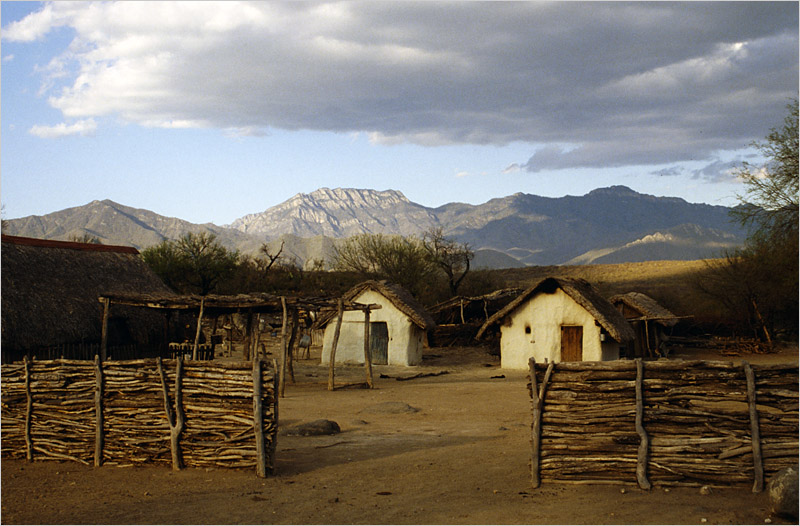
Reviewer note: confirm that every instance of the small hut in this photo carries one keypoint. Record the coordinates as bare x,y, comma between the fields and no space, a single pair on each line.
398,329
50,295
558,320
650,321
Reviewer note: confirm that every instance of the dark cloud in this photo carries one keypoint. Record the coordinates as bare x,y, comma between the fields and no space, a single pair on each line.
598,84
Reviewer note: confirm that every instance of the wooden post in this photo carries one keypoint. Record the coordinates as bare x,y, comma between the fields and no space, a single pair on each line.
104,330
258,420
292,340
755,433
199,326
175,419
282,373
248,330
254,352
99,437
644,440
273,445
367,355
340,312
28,411
537,401
461,304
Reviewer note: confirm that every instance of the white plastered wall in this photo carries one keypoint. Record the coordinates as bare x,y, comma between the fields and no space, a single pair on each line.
544,314
405,338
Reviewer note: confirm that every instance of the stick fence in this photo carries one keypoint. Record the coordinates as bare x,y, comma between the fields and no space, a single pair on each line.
183,414
662,422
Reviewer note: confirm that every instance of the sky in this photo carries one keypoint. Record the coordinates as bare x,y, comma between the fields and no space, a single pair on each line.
210,111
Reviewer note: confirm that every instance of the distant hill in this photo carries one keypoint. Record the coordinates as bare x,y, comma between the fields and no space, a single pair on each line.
614,224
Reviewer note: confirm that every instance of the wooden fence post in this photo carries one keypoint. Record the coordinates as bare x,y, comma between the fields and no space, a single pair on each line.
258,420
282,375
755,432
99,437
28,411
644,441
199,327
340,313
175,419
537,401
104,330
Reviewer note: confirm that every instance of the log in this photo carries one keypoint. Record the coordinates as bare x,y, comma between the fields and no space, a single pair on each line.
537,400
258,419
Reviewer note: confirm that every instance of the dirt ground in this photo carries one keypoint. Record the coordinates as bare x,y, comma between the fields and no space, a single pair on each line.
462,458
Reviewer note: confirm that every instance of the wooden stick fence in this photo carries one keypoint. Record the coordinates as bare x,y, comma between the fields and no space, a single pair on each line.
193,414
662,422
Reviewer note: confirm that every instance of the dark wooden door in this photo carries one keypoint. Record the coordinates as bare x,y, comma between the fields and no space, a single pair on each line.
379,342
571,343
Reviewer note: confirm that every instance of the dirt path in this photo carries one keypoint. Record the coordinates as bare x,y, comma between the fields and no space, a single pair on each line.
461,458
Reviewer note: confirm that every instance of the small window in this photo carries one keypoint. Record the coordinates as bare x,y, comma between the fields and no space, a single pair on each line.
527,329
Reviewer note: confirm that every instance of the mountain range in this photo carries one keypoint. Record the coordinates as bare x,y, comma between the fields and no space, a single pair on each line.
607,225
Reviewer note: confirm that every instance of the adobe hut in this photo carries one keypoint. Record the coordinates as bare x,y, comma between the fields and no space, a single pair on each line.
50,295
650,321
398,329
558,320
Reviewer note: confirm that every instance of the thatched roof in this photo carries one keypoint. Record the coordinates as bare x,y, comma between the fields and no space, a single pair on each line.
584,294
397,296
50,289
647,307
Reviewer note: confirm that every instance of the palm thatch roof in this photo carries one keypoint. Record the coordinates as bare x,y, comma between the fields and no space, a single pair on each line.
584,294
50,290
645,307
397,296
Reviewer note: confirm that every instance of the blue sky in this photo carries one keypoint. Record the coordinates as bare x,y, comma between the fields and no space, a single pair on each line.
208,111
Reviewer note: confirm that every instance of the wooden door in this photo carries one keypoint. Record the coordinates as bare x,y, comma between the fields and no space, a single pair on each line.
379,342
571,343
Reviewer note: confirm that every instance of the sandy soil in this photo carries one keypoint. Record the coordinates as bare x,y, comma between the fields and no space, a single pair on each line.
462,458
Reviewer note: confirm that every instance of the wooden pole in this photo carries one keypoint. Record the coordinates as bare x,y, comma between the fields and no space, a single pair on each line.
248,331
755,433
99,437
339,314
104,330
367,354
273,445
537,401
292,340
28,411
282,373
644,440
258,420
199,326
174,419
254,351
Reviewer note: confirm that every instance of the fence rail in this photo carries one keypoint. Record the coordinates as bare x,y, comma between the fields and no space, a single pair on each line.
183,413
665,422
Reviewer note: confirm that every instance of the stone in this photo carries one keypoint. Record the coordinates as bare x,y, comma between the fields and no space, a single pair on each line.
390,408
314,428
782,489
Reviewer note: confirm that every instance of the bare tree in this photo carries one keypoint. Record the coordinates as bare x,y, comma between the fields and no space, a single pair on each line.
451,257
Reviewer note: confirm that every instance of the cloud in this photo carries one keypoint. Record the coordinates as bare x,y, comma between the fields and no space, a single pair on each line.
623,83
84,128
8,58
718,171
511,168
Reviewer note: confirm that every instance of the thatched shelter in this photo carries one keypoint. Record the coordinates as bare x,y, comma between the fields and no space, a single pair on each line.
650,321
558,319
50,295
398,330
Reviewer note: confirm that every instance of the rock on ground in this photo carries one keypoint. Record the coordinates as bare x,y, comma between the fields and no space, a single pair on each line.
314,428
782,489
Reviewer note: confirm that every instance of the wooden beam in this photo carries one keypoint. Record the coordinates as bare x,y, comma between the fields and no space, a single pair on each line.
104,331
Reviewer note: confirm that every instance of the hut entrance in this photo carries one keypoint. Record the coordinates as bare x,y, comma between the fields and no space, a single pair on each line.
571,343
379,342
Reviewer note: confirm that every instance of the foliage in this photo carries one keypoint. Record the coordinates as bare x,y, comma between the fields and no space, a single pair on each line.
758,283
401,260
85,238
194,263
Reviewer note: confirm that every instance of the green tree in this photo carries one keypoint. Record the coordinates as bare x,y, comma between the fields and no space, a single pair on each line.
449,256
193,263
402,260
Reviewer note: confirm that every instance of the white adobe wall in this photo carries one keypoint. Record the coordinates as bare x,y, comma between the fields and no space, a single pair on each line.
405,339
545,314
